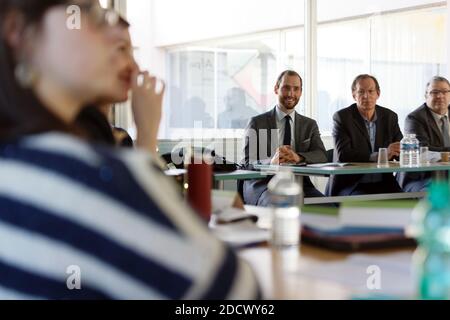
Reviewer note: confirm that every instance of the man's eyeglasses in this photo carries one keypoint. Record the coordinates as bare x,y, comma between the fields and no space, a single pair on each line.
369,92
436,93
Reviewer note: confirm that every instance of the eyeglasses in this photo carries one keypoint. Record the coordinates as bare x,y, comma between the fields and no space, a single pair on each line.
100,17
369,92
436,93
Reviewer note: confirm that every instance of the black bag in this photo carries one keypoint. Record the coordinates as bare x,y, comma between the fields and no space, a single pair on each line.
176,158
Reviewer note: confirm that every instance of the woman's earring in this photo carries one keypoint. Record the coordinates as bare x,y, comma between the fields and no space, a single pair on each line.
25,75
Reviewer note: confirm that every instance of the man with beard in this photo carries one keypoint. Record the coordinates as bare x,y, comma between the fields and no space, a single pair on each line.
282,136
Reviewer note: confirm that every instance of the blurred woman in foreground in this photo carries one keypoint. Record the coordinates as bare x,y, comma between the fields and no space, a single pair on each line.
78,221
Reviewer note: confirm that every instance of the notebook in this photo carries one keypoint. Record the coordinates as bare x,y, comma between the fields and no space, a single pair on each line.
354,233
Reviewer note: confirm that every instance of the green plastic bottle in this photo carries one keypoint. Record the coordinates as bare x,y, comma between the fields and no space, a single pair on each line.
432,229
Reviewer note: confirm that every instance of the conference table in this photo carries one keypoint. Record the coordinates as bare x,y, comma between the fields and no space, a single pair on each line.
327,169
310,273
313,273
323,170
220,178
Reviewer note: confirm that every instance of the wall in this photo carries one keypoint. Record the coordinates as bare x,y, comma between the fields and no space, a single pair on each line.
205,19
143,31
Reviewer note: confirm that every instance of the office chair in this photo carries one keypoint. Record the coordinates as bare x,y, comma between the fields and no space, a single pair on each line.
330,155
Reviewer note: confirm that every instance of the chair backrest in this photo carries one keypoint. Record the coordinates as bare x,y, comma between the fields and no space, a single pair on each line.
240,189
330,155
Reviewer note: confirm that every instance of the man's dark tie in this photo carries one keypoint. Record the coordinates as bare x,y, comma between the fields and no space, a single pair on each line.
287,132
445,133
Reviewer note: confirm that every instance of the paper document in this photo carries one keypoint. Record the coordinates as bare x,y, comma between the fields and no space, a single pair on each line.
230,215
241,234
433,156
330,164
222,200
317,219
381,214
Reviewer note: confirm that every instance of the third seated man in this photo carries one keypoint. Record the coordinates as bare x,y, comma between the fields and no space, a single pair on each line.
359,132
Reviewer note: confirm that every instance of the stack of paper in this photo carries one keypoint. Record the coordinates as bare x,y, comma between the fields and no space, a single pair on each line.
365,225
377,214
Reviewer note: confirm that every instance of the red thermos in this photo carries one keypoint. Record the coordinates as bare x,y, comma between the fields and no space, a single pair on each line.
199,178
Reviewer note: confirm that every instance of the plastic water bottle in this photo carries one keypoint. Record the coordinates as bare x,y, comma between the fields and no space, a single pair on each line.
408,154
415,151
405,154
431,226
284,196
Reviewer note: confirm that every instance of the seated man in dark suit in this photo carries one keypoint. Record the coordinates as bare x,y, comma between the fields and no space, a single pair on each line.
282,136
359,132
430,123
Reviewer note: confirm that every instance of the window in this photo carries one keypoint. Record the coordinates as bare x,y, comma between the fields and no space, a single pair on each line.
218,84
402,48
407,49
342,53
402,43
221,86
104,3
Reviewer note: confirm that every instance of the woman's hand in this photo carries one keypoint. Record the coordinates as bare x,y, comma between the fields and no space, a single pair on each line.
147,109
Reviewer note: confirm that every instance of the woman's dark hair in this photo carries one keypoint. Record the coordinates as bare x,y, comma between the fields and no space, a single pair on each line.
21,113
96,126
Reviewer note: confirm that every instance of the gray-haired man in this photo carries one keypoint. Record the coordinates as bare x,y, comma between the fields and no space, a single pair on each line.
430,123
